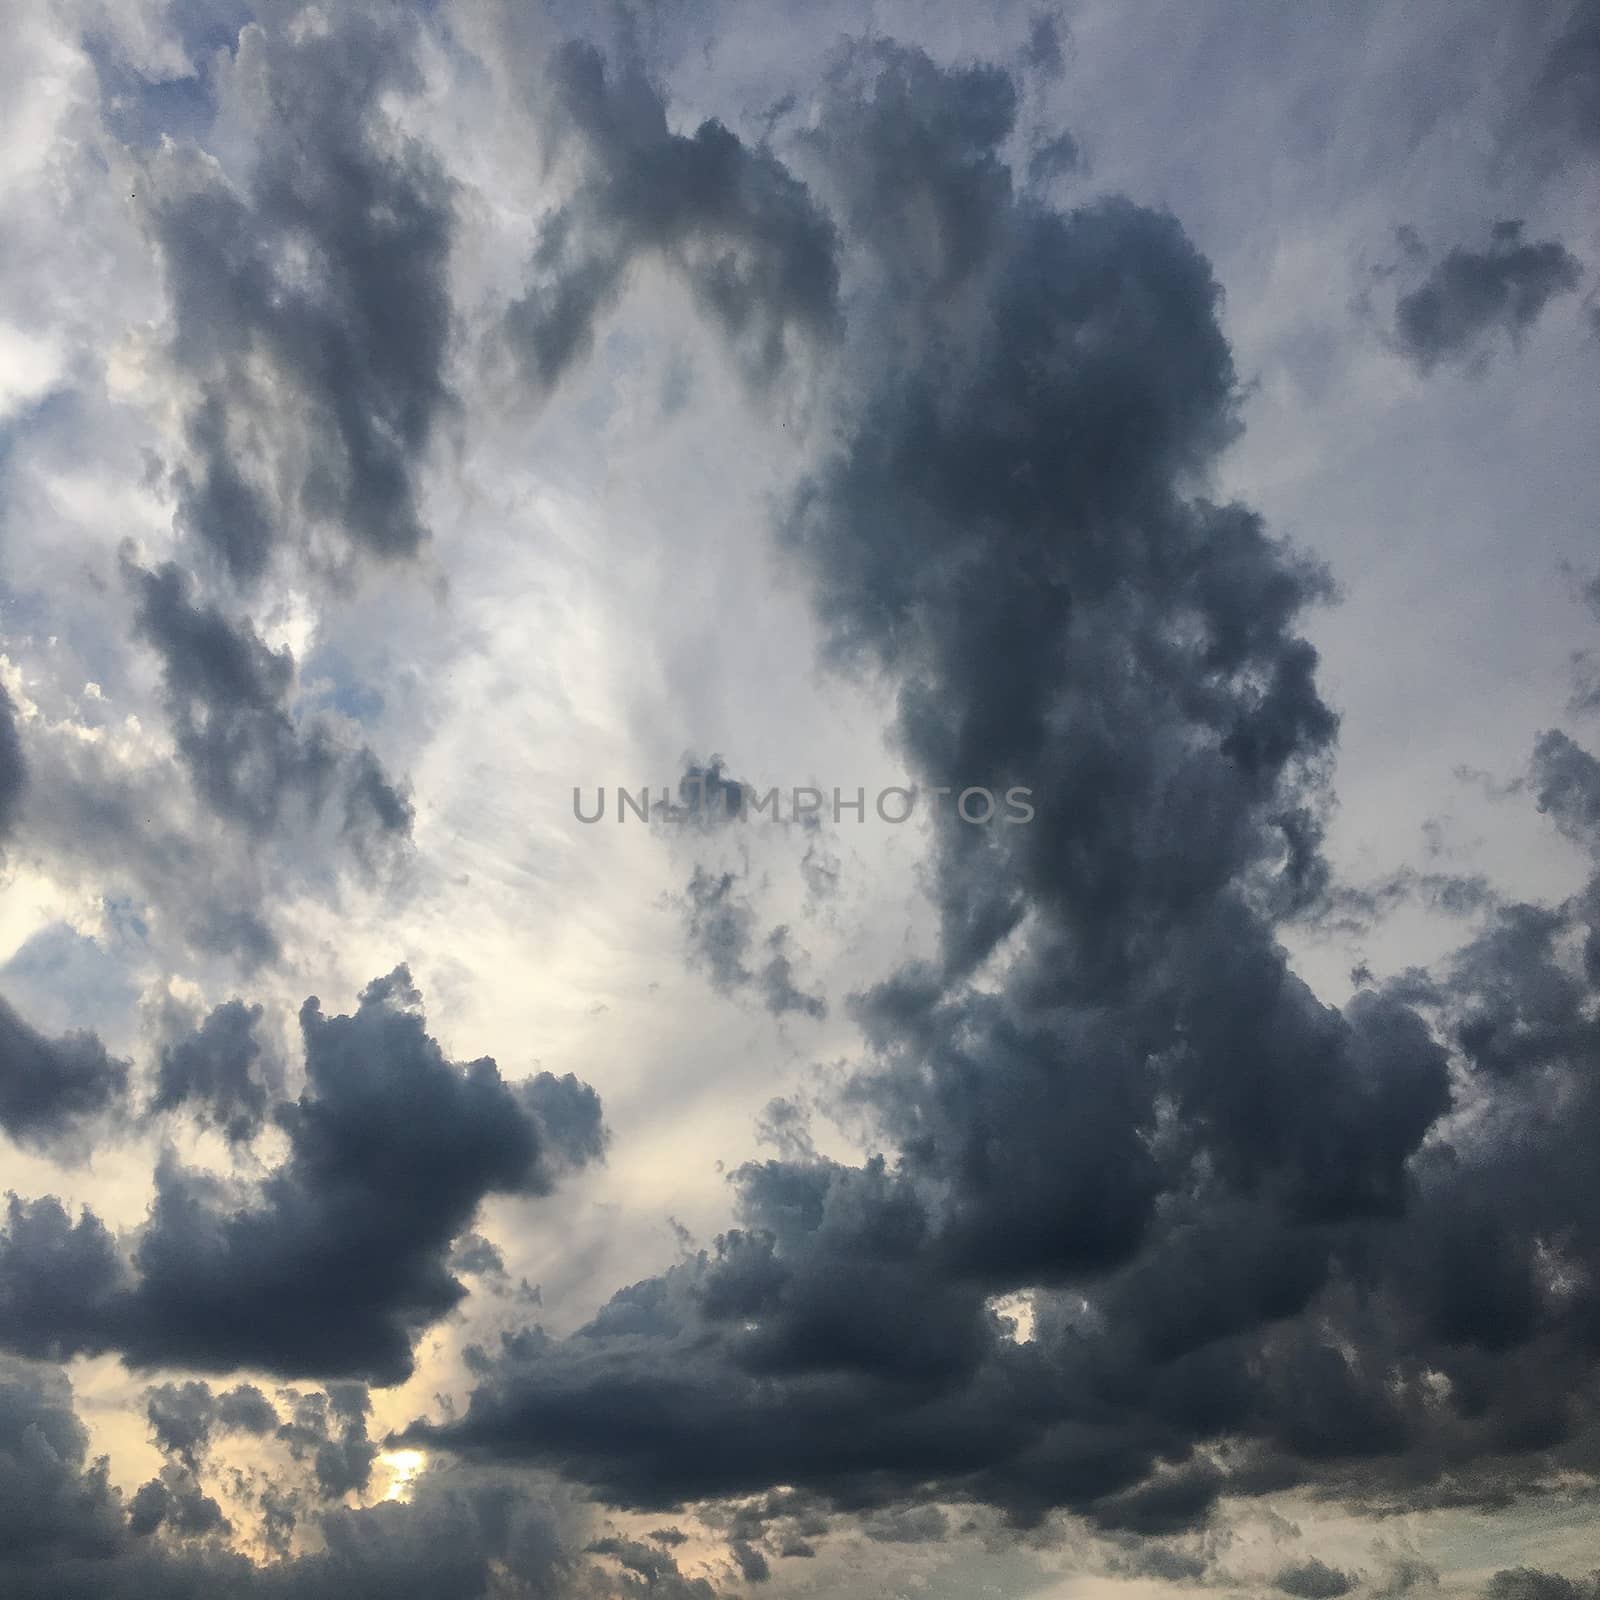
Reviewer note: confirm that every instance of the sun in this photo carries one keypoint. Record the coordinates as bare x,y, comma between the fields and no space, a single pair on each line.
403,1467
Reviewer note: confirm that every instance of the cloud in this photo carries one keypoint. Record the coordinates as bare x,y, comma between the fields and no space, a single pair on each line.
331,1431
50,1087
1566,94
115,823
185,1417
391,1149
54,1505
216,1067
1471,295
228,701
707,797
738,227
13,770
1145,1225
720,920
174,1500
653,1572
310,306
1313,1580
1528,1583
66,1533
722,938
1237,1212
1043,52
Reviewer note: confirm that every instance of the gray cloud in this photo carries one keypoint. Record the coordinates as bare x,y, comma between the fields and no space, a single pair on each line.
50,1087
1241,1217
1313,1580
707,797
175,1501
1528,1583
737,225
391,1149
720,919
330,1430
1471,295
1566,97
66,1533
228,701
185,1417
116,829
55,1507
310,306
1239,1212
13,770
720,926
216,1067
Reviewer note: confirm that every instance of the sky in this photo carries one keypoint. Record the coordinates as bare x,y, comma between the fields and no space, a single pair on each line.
799,800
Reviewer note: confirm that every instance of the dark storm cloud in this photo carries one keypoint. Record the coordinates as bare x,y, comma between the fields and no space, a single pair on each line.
62,1282
13,770
391,1148
740,229
720,926
1471,295
217,1068
54,1506
1239,1212
50,1087
310,306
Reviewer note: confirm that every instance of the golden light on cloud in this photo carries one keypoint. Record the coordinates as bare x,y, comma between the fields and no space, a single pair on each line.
403,1467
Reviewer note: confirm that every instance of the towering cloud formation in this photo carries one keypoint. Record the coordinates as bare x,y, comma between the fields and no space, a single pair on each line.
1146,1225
1236,1213
391,1150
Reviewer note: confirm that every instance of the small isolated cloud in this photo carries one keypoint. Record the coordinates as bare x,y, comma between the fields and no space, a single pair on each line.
1471,296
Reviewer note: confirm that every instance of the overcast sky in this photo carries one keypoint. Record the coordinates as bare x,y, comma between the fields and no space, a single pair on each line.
1078,525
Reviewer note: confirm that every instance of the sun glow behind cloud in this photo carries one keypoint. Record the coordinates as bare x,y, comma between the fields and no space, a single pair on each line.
404,1468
